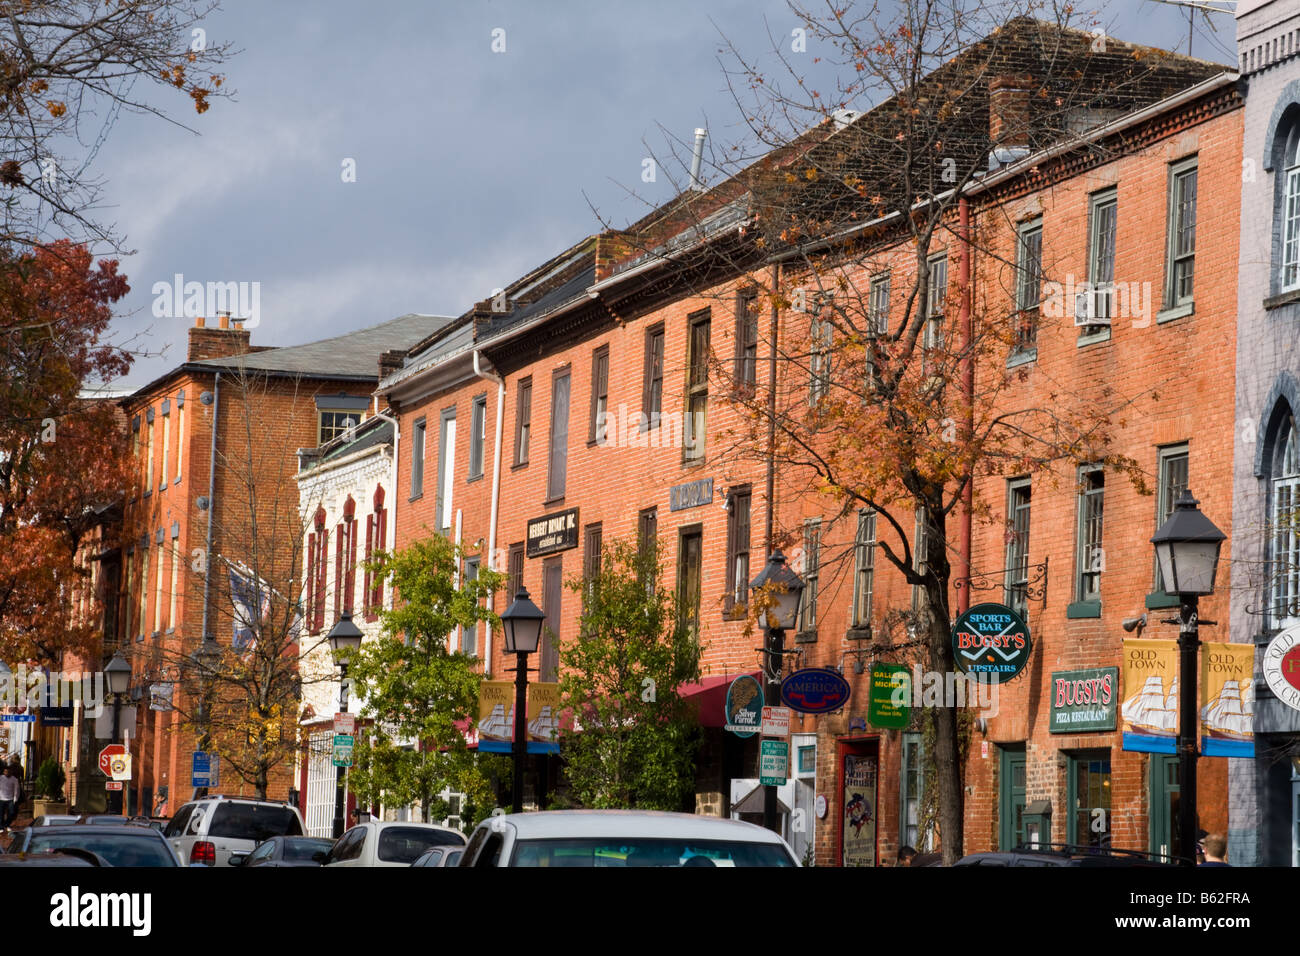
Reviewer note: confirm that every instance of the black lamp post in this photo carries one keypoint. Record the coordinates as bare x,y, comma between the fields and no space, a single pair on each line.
117,675
522,623
778,590
344,640
1187,547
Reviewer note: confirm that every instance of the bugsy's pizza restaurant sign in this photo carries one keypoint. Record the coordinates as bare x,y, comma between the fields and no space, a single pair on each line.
551,533
1084,700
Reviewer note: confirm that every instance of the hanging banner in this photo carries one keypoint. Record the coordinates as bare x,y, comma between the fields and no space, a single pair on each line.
543,718
496,716
1228,700
1281,666
1150,708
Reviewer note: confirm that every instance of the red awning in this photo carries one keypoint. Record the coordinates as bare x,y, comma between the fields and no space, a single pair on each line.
711,696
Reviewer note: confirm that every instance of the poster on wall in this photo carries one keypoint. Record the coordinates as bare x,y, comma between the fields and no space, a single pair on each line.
859,824
1150,708
1228,700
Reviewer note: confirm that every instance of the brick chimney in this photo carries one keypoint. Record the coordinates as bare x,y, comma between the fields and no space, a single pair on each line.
1009,111
390,362
220,342
611,249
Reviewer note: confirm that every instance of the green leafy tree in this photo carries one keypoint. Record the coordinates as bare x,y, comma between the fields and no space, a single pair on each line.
634,741
414,689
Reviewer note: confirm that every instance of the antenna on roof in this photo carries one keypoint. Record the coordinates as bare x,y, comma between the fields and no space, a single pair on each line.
698,157
1194,5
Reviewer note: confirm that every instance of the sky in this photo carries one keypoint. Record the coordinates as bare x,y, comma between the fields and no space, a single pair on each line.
382,158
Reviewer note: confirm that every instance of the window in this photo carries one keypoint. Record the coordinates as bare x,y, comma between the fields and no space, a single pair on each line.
1291,211
1029,283
345,559
935,299
878,299
738,510
334,422
820,334
376,540
591,546
697,387
167,444
652,398
176,575
469,636
1089,798
864,568
1172,480
690,555
746,338
599,396
477,436
647,537
920,555
1090,560
559,455
446,469
130,605
1094,304
180,430
1285,571
812,545
911,790
1182,234
144,589
158,587
523,420
514,571
417,458
148,467
1017,583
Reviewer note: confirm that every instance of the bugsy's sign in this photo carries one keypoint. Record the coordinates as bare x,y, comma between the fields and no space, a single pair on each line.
1084,700
992,640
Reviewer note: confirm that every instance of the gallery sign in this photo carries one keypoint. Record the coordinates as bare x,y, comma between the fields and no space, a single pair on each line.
1084,700
552,533
1282,666
991,640
890,685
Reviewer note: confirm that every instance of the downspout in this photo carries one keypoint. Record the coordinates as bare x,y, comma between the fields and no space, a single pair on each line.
212,500
771,417
968,391
496,500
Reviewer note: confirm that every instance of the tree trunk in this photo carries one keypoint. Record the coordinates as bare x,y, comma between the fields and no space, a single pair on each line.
947,751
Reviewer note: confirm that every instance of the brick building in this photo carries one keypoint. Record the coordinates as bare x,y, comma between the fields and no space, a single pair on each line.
608,389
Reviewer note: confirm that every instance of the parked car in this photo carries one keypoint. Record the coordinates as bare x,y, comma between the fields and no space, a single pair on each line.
285,851
1063,855
54,819
582,838
118,846
67,856
104,819
440,856
210,829
386,843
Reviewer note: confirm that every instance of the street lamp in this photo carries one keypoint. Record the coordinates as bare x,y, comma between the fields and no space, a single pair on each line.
522,623
1187,548
777,591
117,675
344,640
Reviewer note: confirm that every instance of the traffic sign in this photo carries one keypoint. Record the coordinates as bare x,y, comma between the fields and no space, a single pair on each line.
107,754
345,723
119,766
205,770
343,750
776,721
773,763
113,785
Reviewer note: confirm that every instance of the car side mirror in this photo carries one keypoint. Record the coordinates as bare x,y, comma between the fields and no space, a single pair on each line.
237,859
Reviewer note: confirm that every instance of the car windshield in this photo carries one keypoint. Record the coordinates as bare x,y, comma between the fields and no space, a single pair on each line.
119,849
301,850
583,852
405,844
253,821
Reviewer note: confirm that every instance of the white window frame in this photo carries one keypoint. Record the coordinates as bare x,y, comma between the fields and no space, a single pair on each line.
864,567
1178,173
1284,512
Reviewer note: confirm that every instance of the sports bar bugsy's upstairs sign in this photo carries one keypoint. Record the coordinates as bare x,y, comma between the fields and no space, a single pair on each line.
551,533
992,641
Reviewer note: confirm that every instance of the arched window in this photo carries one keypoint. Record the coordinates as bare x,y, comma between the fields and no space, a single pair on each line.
345,559
1285,574
376,540
1290,172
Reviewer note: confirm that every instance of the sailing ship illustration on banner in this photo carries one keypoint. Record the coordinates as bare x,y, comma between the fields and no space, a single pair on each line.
1150,703
1228,700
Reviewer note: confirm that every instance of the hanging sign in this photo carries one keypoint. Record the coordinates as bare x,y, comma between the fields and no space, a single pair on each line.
1228,700
1084,700
543,718
1150,698
744,706
1281,666
815,690
496,716
891,689
991,640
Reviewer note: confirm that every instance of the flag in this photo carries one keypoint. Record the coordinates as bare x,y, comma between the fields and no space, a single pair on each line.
250,598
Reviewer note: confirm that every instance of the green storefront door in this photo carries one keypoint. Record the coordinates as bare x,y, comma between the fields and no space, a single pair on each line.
1011,796
1164,805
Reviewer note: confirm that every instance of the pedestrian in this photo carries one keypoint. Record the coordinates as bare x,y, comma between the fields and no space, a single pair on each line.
10,788
1216,850
905,856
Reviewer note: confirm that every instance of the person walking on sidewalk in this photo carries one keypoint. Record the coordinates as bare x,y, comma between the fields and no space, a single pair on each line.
9,791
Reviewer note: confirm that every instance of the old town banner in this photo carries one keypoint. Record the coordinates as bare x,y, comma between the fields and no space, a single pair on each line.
1150,708
1228,700
496,715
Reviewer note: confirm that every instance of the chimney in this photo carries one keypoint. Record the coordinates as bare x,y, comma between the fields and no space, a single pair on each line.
611,249
220,342
697,158
390,362
1009,112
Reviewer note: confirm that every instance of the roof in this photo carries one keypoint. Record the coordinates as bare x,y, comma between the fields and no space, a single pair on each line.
575,288
613,824
350,355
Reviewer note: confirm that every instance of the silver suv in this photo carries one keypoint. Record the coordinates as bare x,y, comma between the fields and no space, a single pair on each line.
210,829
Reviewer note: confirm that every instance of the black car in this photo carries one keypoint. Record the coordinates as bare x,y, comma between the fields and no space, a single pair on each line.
285,851
117,845
1063,855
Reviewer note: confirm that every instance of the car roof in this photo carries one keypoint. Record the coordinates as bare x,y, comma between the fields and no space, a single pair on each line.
647,824
90,829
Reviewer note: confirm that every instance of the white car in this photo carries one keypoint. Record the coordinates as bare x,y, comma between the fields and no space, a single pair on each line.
582,838
381,843
210,829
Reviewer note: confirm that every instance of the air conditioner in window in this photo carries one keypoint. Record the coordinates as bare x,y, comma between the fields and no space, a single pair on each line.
1094,306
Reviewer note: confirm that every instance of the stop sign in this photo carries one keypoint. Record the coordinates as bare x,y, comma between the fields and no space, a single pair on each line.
112,750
